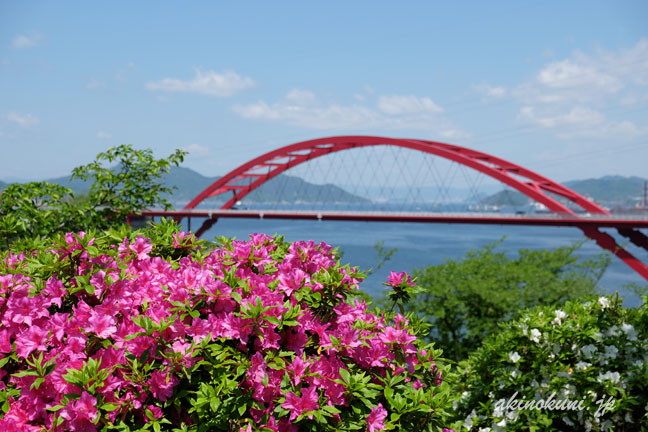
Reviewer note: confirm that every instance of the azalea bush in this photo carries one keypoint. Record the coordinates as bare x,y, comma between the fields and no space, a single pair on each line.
137,331
581,367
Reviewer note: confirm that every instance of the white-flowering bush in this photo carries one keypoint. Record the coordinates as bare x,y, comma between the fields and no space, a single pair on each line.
581,367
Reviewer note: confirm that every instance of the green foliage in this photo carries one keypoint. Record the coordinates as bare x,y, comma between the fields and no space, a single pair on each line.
464,301
131,186
384,255
33,210
594,352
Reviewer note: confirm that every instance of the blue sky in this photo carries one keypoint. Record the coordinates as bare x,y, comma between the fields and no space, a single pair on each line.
559,87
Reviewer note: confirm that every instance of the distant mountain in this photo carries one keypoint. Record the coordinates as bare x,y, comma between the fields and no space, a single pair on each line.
610,191
187,183
283,188
506,197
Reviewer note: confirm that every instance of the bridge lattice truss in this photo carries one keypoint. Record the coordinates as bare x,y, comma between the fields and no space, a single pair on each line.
251,175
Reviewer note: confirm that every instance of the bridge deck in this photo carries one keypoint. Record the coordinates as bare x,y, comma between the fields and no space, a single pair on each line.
550,219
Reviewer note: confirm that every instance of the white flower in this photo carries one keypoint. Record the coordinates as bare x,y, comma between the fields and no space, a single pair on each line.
588,350
581,365
604,302
468,422
613,377
612,331
514,357
499,408
560,315
512,415
629,330
610,352
535,335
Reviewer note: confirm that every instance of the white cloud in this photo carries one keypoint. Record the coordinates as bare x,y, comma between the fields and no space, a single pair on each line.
454,134
576,116
26,41
578,72
23,120
302,97
313,117
122,74
407,105
197,150
599,77
496,91
582,122
581,95
104,135
95,84
302,108
490,91
208,83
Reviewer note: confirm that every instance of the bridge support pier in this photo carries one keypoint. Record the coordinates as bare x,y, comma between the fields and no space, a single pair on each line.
606,241
635,236
209,222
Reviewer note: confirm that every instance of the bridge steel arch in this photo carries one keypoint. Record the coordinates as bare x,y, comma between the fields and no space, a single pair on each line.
269,165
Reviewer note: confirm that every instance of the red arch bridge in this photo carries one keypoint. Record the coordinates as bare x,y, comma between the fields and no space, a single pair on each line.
566,207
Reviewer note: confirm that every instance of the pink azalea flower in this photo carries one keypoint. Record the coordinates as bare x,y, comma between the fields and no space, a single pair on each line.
86,406
103,325
5,342
156,411
162,385
141,247
34,338
298,368
396,279
375,420
300,405
55,291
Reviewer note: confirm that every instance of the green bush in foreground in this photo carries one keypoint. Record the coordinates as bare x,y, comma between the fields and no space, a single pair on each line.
580,367
464,301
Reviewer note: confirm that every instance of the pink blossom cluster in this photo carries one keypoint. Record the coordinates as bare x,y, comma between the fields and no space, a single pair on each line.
110,336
